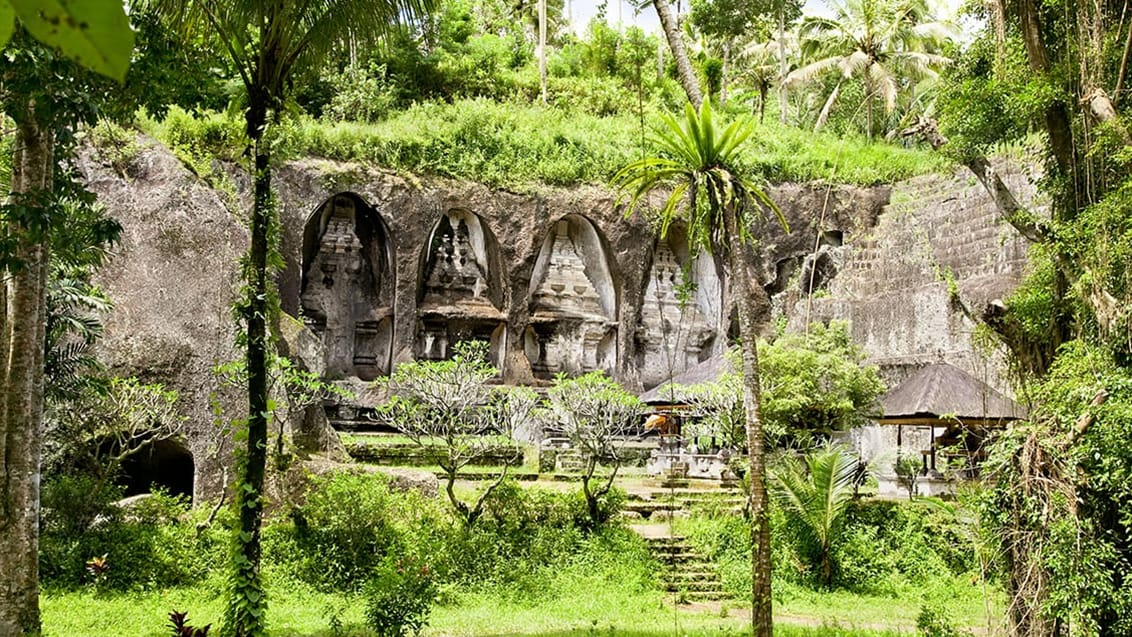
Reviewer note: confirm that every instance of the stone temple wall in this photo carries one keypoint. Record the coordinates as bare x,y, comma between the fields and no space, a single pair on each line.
894,282
558,280
385,268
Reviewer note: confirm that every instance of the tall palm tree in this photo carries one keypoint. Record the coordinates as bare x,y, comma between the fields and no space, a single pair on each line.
699,167
884,43
268,41
815,497
670,23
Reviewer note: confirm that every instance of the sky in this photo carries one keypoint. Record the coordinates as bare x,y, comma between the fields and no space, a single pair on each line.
583,10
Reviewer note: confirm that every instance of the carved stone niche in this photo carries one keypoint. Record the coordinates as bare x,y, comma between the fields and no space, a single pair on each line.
573,327
347,287
460,293
680,311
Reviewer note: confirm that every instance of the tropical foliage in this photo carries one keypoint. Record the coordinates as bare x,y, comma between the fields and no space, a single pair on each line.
595,413
452,403
891,47
814,497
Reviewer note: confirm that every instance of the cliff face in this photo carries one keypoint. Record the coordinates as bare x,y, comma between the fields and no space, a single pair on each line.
385,268
938,252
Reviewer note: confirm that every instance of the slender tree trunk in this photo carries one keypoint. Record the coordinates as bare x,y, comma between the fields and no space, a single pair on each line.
1056,113
761,622
782,66
542,47
21,390
246,613
723,73
671,26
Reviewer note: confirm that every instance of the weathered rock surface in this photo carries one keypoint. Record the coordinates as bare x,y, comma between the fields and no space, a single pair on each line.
172,279
452,259
939,245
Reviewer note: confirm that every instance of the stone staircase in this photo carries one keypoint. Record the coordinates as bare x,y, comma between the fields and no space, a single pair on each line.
685,573
682,501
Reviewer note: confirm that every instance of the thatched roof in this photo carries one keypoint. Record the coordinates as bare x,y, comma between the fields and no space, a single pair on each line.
705,372
941,389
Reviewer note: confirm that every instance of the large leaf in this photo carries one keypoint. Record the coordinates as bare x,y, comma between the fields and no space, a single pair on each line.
7,22
95,33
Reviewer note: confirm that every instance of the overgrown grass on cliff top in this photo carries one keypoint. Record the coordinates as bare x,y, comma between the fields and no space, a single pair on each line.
514,145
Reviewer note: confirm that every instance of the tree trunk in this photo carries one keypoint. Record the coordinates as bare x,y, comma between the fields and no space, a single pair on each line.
248,606
542,48
782,66
21,389
723,73
760,520
671,26
1056,114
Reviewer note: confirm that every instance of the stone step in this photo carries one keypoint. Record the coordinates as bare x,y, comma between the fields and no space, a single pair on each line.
671,549
695,587
703,596
702,575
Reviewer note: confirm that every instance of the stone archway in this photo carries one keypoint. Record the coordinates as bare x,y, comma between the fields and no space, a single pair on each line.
166,464
573,301
460,291
348,285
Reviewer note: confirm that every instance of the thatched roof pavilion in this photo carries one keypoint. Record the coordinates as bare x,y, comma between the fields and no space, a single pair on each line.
940,394
708,371
944,396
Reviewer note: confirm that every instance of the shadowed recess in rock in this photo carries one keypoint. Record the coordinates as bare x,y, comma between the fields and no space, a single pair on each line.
347,286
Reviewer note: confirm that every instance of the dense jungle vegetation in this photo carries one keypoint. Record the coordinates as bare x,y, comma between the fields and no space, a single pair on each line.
864,92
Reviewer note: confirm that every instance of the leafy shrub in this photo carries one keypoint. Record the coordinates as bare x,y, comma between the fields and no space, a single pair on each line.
399,597
862,564
933,622
344,530
359,94
154,542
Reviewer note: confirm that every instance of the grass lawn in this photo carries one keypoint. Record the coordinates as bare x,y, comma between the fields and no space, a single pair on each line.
297,610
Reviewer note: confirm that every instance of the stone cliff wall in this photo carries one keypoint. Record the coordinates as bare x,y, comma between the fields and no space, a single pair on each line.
385,268
939,234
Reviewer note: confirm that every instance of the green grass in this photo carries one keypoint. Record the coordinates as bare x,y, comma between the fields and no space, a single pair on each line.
297,610
520,146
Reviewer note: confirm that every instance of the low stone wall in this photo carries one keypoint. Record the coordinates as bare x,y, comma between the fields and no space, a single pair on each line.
406,455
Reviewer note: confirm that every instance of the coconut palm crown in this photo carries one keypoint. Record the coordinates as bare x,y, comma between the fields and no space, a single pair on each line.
887,44
699,161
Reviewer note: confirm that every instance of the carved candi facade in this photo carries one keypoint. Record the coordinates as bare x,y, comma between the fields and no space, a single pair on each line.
562,297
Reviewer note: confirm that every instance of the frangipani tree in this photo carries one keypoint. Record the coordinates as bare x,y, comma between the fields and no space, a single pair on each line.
889,45
595,411
703,183
452,405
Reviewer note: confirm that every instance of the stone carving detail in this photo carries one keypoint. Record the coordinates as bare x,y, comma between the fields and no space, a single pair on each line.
456,299
341,298
673,335
455,272
571,329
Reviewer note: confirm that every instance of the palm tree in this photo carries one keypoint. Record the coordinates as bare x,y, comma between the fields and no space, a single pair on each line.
699,165
267,41
815,497
885,43
761,64
670,22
